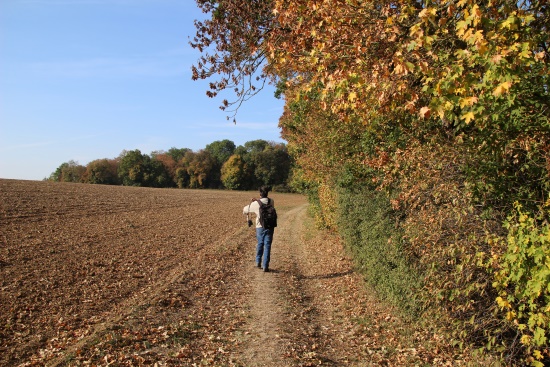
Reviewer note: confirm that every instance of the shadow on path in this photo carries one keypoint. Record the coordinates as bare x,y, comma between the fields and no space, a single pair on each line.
306,277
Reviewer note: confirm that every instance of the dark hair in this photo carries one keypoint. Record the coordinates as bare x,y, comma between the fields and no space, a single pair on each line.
264,190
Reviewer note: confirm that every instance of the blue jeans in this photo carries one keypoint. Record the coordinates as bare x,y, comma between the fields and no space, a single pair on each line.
265,237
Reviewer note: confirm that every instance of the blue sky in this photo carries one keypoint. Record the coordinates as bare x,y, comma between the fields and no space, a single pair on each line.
86,79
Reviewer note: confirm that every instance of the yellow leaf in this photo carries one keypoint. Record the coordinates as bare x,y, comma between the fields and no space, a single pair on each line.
482,47
427,12
468,101
352,97
460,90
501,301
525,54
502,88
468,35
467,117
476,14
476,37
461,27
509,22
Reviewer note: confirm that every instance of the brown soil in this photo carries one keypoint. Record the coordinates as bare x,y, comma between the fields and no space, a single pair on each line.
104,275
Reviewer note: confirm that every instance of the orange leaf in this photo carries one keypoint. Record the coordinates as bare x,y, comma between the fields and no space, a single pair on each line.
425,112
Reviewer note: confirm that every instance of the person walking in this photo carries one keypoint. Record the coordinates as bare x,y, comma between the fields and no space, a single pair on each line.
264,233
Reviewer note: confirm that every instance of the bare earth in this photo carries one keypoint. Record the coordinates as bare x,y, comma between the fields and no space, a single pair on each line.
104,275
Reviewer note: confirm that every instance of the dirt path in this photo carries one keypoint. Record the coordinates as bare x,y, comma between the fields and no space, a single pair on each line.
313,309
265,343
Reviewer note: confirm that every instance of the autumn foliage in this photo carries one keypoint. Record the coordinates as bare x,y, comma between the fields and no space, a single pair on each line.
260,163
437,113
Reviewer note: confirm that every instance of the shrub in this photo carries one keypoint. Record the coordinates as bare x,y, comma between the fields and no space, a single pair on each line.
367,225
520,265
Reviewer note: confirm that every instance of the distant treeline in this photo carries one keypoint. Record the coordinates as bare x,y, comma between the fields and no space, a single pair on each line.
220,165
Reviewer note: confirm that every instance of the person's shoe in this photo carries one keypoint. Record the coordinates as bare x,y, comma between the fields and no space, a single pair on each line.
258,266
266,270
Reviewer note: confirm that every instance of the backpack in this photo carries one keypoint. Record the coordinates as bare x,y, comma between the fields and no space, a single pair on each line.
268,215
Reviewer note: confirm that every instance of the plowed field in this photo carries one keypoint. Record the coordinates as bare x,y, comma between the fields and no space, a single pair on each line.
105,275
